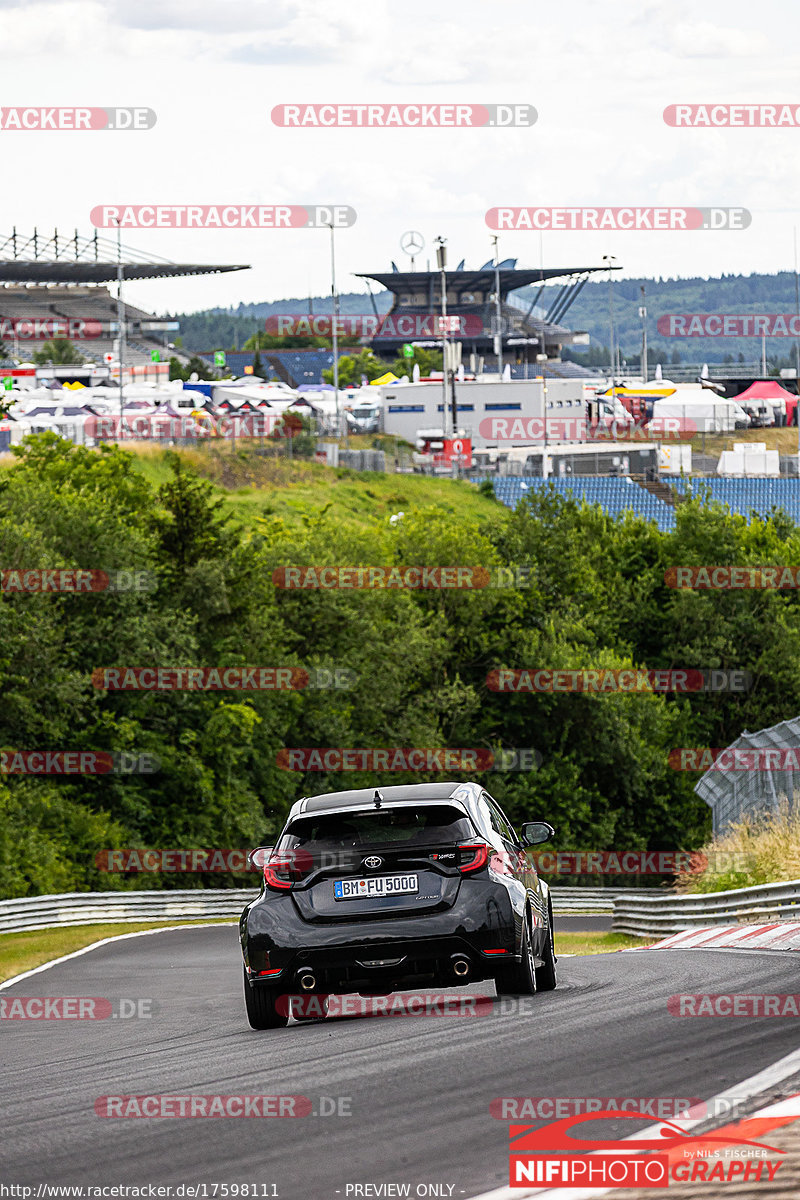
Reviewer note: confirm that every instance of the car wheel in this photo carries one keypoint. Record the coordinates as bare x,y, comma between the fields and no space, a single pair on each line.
261,1009
520,978
546,976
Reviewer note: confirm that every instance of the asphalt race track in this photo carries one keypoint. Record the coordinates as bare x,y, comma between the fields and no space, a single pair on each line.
419,1087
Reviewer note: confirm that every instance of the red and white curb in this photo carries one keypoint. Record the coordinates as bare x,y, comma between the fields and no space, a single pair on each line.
780,935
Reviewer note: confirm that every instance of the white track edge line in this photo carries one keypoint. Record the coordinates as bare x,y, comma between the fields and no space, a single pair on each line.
118,937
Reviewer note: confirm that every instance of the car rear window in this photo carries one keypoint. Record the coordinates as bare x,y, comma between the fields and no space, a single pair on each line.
407,825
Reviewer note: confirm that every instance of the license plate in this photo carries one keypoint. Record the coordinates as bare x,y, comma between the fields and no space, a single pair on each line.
384,885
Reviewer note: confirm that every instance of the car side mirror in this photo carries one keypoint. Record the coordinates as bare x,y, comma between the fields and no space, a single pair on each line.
536,832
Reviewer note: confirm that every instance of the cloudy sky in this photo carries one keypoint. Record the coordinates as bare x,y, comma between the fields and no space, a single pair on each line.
599,72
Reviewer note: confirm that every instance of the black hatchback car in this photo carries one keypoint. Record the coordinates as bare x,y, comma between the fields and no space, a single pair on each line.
373,890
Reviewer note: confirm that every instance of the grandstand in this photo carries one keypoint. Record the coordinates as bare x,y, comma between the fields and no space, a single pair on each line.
527,330
615,495
53,286
759,494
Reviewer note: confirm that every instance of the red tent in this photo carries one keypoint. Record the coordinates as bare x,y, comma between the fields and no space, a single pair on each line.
769,389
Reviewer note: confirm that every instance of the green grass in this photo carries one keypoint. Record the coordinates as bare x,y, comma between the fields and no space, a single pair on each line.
252,486
596,943
23,951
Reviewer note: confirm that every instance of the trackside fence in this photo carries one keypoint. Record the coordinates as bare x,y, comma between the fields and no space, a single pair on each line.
645,915
94,908
643,912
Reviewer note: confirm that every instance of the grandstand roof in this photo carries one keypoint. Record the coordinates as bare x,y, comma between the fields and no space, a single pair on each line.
509,279
42,258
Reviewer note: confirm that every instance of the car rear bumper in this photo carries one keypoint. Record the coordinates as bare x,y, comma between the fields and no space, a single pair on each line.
380,954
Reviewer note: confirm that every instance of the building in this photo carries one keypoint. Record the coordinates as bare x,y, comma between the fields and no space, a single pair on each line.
56,287
527,330
758,789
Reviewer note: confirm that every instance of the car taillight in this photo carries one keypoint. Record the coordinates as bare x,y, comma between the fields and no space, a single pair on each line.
472,856
285,867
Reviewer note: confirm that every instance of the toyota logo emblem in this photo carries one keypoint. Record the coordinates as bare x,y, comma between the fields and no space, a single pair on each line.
373,861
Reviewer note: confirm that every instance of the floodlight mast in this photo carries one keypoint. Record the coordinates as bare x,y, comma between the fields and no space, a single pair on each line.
121,330
441,261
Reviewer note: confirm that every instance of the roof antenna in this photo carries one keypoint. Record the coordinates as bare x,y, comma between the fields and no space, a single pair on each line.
378,798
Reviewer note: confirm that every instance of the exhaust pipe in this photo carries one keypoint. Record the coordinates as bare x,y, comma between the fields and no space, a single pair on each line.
461,967
307,980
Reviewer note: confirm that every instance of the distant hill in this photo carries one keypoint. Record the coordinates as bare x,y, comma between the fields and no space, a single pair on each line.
227,328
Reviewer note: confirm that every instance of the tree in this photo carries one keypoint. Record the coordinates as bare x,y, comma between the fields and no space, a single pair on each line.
428,361
353,366
58,352
258,368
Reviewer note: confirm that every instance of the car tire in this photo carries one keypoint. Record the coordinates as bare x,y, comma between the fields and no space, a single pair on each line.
262,1012
546,975
519,979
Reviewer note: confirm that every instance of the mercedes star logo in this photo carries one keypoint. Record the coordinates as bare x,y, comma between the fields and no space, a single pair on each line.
412,242
373,861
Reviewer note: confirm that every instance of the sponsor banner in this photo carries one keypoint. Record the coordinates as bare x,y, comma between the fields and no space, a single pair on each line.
202,1106
36,329
735,1004
77,762
626,679
75,580
769,325
732,116
546,1108
73,1008
735,758
137,860
367,325
399,578
733,578
222,216
618,219
402,116
200,679
60,119
338,758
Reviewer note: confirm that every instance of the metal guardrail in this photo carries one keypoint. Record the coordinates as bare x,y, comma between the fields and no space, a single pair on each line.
95,908
645,914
